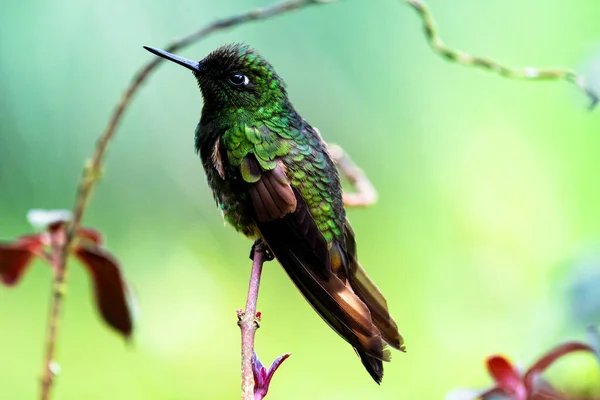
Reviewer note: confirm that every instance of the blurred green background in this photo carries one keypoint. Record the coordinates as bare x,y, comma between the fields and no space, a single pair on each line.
488,191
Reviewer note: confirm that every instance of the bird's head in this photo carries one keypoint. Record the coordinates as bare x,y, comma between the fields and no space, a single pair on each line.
234,78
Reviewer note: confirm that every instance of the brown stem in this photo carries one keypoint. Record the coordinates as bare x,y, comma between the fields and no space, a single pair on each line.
365,193
57,241
248,322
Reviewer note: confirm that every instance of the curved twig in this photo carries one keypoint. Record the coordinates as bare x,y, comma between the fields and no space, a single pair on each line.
466,59
364,192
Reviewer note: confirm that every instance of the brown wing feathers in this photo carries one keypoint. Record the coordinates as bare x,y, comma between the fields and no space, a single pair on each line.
272,198
329,277
306,260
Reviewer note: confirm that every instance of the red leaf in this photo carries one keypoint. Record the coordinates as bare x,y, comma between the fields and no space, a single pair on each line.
262,377
110,288
90,234
506,377
275,365
13,262
15,257
260,373
31,242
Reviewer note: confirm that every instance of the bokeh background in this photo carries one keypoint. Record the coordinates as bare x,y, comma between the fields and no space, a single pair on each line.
485,237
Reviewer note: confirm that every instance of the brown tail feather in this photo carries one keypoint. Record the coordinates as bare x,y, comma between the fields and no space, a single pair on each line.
335,285
370,294
297,243
373,366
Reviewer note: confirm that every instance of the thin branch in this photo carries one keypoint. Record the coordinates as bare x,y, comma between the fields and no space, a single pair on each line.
57,240
93,167
248,321
549,358
460,57
365,194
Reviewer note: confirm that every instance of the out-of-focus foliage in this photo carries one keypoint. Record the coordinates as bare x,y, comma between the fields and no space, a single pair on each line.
487,188
110,288
512,383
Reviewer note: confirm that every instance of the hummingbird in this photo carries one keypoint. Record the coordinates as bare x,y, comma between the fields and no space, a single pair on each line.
275,182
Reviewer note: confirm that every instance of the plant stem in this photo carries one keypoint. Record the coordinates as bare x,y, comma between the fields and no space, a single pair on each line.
468,60
364,192
248,323
59,254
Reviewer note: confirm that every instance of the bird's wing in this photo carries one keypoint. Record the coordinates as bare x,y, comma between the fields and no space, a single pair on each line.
288,228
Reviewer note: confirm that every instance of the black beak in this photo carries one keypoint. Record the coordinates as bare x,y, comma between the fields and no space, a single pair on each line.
193,65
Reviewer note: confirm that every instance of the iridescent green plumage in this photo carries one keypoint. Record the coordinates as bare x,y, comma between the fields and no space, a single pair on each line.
273,178
266,126
308,171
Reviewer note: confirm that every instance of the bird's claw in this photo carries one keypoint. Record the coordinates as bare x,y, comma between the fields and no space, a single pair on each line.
268,254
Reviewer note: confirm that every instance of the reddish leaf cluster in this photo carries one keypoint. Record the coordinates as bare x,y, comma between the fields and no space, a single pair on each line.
514,385
262,376
111,290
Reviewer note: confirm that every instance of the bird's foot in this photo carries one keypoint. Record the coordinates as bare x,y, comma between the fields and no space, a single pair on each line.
259,245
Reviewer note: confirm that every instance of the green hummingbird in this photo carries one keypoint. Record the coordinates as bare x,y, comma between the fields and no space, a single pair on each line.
275,182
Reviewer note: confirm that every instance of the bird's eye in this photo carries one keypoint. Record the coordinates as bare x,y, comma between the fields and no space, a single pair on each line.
239,80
